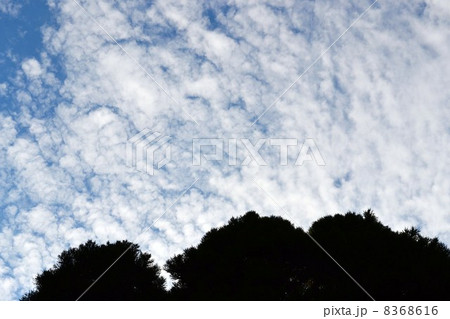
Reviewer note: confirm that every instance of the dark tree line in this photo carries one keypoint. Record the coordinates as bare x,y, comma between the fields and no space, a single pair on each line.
262,258
133,277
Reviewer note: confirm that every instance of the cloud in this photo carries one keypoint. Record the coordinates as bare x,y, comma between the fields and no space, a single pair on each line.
32,68
375,105
3,89
9,7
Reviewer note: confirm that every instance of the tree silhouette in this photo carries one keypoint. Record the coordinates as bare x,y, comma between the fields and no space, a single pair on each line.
263,258
267,258
250,258
389,265
133,277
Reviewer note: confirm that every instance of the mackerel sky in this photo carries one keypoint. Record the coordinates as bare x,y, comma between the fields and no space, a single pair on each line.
78,79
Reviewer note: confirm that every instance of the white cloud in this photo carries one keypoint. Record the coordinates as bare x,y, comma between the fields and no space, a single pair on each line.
3,89
32,68
10,7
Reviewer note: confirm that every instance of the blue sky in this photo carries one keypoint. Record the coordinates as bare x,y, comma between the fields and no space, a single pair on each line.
376,104
21,34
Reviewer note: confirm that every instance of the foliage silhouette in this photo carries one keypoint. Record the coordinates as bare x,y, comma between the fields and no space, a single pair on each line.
263,258
133,277
251,258
389,265
267,258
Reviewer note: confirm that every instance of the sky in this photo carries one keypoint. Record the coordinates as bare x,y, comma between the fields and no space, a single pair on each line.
365,108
